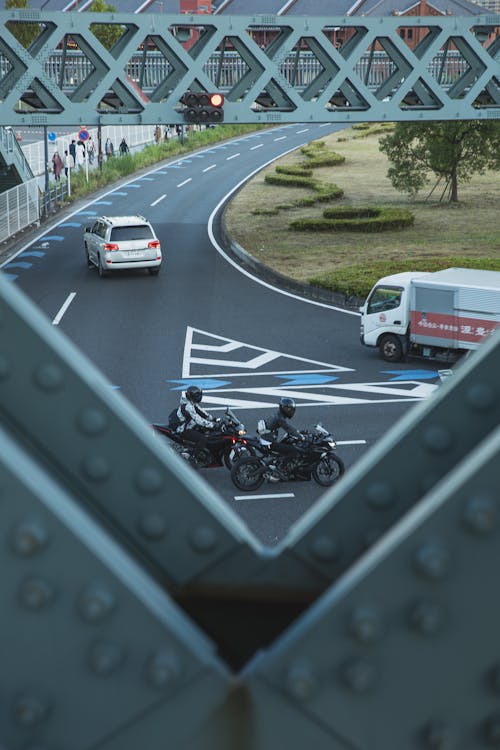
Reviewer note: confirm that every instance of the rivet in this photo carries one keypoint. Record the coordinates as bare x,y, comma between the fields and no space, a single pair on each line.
35,593
480,514
49,376
92,421
480,396
4,368
431,560
105,657
365,624
437,735
153,526
96,468
149,480
203,538
358,675
437,438
95,603
491,731
30,710
427,618
28,539
380,495
300,681
325,548
163,669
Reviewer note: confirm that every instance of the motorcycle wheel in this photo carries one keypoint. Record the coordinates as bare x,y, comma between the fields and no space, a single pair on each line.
247,474
229,460
328,470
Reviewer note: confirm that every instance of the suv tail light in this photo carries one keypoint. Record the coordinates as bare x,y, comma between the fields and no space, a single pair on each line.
110,247
154,243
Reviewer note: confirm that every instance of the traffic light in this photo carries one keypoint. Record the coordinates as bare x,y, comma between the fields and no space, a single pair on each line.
203,108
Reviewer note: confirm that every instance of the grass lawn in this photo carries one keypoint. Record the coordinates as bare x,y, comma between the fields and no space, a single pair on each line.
467,230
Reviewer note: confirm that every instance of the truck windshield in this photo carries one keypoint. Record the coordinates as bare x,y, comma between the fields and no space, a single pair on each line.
384,298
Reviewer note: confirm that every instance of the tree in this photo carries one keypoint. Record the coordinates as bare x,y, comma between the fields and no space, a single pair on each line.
108,34
454,151
25,33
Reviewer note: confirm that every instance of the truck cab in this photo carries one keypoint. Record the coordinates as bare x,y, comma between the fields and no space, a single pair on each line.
385,316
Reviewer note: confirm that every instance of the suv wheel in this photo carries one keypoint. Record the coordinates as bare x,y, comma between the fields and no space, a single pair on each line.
103,272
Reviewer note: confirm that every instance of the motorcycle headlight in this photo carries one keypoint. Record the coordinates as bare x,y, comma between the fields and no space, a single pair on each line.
242,432
331,444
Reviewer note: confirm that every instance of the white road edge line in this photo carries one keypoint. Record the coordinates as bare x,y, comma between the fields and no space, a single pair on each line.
158,199
243,271
69,300
264,497
228,158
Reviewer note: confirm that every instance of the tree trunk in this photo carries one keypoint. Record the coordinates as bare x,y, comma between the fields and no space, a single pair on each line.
454,187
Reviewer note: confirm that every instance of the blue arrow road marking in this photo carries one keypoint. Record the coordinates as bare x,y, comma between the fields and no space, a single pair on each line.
103,203
208,383
19,265
117,192
161,171
70,224
87,213
147,179
55,237
135,186
412,374
32,253
306,379
10,276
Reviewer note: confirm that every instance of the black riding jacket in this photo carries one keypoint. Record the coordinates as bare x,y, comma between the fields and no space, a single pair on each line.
277,422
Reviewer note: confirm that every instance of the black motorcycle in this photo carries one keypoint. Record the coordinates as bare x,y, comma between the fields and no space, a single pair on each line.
316,459
225,444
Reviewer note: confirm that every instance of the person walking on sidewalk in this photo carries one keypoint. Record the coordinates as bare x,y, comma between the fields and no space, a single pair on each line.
109,148
68,163
57,166
124,149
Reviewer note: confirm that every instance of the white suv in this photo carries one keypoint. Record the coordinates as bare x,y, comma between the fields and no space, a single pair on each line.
116,242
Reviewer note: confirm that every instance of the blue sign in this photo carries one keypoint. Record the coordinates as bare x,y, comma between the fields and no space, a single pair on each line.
83,135
51,136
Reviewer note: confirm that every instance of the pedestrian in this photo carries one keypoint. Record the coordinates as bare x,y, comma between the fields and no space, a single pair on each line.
166,134
123,147
90,150
157,134
57,166
80,154
109,148
72,150
68,163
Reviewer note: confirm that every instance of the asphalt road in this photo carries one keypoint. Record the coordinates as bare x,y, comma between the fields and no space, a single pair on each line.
203,320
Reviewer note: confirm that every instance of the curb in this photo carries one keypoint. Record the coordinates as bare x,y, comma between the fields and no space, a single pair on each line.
249,262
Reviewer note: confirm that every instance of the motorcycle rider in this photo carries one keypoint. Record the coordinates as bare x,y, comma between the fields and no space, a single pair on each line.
281,420
196,421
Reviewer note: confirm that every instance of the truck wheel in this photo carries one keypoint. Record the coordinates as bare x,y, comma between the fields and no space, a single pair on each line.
391,349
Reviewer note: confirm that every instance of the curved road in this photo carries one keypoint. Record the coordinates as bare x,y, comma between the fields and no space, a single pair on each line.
203,320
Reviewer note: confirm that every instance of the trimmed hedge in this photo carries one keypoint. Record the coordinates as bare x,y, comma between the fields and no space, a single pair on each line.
370,219
299,170
289,180
357,280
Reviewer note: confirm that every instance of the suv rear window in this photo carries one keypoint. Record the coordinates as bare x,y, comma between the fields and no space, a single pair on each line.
139,232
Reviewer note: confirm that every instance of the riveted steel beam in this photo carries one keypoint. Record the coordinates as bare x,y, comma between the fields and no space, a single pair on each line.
208,52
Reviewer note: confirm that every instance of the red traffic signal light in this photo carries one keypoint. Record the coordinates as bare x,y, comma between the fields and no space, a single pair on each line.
203,108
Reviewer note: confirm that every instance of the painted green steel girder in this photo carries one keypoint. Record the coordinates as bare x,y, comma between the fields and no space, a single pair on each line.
314,69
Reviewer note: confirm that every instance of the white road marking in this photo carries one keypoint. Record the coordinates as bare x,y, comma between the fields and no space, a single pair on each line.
254,147
158,199
207,169
302,131
185,182
351,442
264,497
281,138
228,158
67,303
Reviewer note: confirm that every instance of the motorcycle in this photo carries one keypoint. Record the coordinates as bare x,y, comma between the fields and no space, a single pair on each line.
316,460
225,445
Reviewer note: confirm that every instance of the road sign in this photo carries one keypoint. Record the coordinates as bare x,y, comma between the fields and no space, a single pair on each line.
83,134
51,136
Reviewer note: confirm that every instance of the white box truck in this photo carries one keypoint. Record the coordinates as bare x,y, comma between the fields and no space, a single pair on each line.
437,315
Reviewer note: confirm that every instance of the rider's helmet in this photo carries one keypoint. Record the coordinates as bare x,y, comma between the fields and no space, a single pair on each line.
287,407
194,394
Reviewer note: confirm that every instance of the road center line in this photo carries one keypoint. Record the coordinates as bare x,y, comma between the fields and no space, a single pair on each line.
158,199
69,300
258,146
302,131
185,182
277,495
207,169
232,157
281,138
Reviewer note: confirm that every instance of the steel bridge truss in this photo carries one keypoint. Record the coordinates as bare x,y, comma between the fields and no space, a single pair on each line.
409,58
